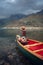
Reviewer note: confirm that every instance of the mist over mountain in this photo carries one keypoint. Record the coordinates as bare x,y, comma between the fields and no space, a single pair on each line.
41,12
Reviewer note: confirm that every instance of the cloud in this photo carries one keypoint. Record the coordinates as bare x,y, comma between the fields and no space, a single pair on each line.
8,7
11,1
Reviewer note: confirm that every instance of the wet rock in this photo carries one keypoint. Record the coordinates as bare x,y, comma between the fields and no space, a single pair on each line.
10,57
6,63
1,62
9,53
14,54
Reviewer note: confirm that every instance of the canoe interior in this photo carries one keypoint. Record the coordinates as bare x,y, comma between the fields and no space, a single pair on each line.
35,47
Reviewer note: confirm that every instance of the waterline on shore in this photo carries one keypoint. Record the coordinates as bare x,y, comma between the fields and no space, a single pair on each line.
28,28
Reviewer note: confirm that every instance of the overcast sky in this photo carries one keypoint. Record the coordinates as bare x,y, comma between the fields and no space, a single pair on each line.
8,7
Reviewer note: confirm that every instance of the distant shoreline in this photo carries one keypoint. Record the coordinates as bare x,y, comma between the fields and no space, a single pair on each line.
28,28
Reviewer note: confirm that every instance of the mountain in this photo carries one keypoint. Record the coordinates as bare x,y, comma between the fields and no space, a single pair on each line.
35,20
11,18
17,16
21,19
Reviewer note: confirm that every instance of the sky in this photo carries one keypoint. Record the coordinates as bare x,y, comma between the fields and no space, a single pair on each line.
9,7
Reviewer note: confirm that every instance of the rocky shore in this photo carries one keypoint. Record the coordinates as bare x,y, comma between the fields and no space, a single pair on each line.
10,54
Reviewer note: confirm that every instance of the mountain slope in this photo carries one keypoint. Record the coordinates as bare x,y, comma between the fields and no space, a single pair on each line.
9,20
17,16
35,20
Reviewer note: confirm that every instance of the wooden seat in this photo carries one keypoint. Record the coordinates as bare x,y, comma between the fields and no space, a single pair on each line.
27,46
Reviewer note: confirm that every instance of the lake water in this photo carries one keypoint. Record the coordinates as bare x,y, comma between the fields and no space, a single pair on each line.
9,52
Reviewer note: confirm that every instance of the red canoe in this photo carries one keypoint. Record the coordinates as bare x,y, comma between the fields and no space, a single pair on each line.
33,49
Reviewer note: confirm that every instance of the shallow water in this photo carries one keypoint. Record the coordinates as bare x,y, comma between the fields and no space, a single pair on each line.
9,52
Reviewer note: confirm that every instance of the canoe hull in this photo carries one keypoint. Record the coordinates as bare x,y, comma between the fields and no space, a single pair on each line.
30,56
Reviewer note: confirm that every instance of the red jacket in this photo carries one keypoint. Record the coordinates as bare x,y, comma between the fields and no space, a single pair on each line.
23,32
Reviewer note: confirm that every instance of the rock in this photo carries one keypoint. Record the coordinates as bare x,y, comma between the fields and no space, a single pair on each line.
1,62
10,57
9,53
14,54
6,63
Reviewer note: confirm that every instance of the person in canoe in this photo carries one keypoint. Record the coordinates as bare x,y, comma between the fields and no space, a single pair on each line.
22,39
23,30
